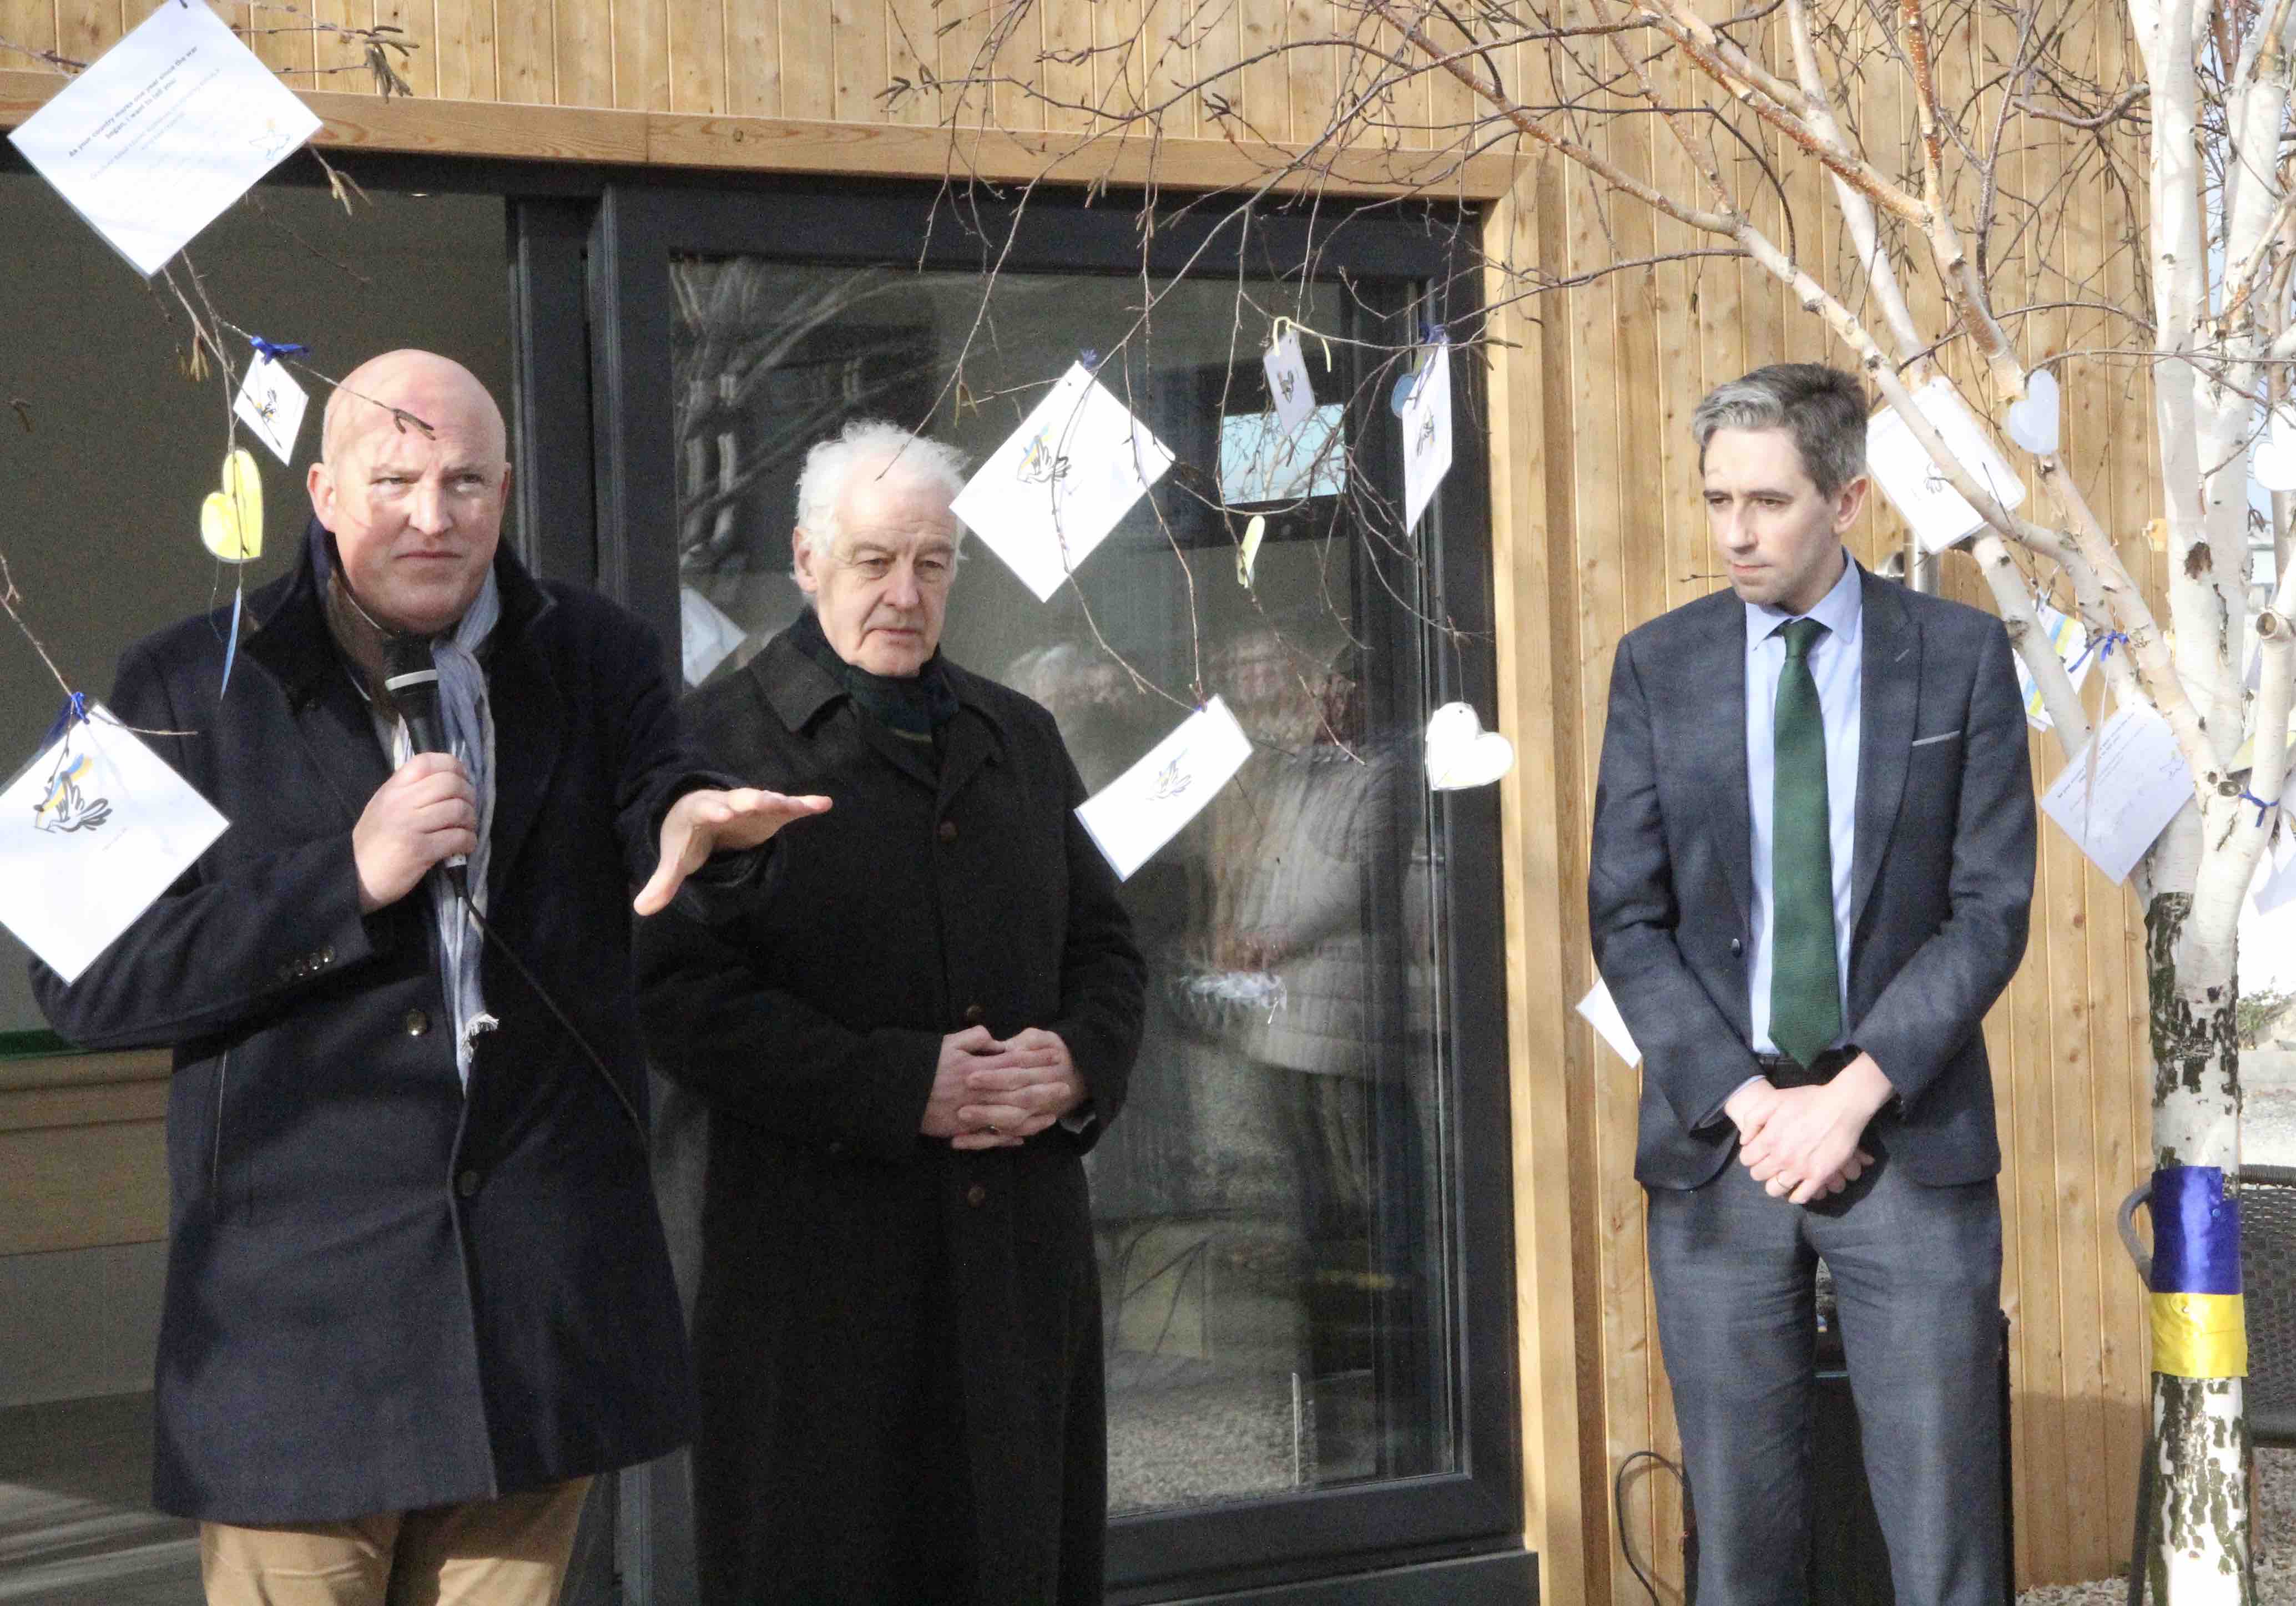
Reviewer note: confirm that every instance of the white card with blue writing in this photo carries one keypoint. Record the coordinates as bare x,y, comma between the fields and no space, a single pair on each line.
91,833
168,128
2119,793
1146,806
271,404
1427,433
1051,494
1287,381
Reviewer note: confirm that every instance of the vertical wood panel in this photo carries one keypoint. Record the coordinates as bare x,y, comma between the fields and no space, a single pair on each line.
1266,101
466,50
525,51
1215,31
753,58
640,32
808,55
1066,73
31,25
913,53
87,28
696,37
583,53
418,23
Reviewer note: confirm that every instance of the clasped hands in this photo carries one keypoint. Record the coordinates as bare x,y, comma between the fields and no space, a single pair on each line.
1802,1143
987,1094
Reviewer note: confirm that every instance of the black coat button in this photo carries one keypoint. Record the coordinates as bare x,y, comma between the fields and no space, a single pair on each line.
418,1023
467,1184
837,1146
975,1194
1737,946
974,1015
949,830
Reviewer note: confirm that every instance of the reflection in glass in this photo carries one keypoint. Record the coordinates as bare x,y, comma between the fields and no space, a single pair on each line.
1271,1208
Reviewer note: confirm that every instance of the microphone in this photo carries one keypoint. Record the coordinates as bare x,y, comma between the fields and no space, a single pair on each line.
411,678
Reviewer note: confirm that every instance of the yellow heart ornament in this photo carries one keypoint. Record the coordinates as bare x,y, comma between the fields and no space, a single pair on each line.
231,520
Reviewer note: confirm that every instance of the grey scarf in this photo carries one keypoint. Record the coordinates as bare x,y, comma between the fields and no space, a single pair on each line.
469,720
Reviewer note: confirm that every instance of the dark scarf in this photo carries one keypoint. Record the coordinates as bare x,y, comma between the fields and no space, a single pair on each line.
916,706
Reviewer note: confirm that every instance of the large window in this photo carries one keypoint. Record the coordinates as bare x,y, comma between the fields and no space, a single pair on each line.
1302,1216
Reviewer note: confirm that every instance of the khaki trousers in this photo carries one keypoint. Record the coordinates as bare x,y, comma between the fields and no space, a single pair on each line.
511,1552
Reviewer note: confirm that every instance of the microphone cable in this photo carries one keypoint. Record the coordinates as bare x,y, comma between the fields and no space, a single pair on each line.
597,1061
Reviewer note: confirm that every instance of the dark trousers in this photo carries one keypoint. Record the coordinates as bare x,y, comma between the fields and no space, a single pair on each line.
1918,1273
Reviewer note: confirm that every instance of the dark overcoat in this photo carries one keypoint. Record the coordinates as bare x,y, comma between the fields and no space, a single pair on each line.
382,1295
898,1344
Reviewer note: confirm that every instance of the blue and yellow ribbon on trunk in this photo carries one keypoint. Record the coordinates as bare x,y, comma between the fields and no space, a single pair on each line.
2199,1323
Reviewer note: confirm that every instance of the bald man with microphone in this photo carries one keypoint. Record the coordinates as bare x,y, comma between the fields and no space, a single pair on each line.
417,1294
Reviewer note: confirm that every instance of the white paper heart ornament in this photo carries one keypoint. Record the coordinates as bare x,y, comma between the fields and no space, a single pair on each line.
1460,753
2275,462
2033,422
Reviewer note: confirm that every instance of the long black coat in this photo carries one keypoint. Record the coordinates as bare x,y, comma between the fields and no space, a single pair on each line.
381,1296
898,1344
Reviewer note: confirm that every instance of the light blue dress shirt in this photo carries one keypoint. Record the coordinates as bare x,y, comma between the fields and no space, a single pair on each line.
1835,664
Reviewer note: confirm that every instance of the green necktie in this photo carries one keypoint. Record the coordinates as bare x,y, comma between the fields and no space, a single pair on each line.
1805,985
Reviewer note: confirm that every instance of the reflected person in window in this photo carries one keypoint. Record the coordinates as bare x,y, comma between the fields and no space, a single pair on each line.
906,1045
1811,870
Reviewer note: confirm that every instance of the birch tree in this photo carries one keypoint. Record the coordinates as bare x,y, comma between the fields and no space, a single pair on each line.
1902,262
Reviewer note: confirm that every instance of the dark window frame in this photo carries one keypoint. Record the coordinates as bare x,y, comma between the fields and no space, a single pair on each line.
1268,1541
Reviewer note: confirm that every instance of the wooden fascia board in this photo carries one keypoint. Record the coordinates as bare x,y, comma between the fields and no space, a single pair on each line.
578,133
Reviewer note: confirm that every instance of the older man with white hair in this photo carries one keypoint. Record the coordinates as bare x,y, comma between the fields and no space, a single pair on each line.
907,1036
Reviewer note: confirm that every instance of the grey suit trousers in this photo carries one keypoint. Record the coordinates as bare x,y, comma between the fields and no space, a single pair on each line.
1918,1272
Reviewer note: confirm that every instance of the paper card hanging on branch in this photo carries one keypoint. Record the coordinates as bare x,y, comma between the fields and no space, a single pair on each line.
2070,642
2274,461
271,404
1146,806
2119,793
2275,879
231,520
1051,494
1427,432
92,832
1938,514
168,128
1288,389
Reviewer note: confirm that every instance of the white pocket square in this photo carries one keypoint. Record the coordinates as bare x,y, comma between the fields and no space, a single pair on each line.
1940,736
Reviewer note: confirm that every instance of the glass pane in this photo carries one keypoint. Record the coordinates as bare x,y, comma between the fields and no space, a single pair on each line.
1270,1209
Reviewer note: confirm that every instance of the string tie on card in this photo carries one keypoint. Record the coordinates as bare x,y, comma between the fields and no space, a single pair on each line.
2109,638
74,712
276,351
1283,325
2263,807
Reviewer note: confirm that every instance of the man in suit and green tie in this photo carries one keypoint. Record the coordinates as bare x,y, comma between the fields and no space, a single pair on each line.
1811,870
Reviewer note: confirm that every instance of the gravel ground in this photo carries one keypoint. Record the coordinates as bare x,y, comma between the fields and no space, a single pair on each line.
2275,1546
2267,1138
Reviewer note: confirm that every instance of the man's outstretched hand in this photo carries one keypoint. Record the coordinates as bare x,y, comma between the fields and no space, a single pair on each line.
702,822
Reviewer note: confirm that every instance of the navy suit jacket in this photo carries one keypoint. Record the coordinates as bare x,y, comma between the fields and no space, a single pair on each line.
1942,877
